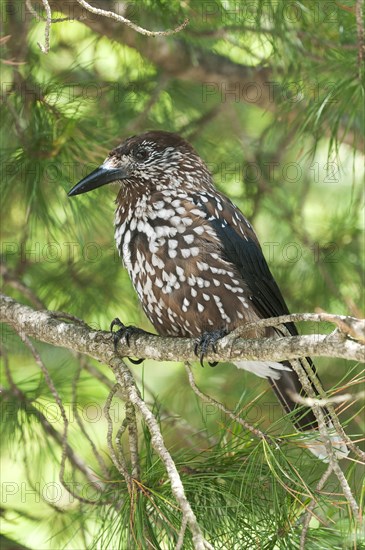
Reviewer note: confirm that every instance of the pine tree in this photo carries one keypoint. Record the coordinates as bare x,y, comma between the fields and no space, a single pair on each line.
271,94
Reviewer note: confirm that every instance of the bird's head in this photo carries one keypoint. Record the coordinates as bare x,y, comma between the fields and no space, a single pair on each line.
150,160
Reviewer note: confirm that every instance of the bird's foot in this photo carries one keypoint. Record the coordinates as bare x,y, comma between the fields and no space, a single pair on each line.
208,340
126,333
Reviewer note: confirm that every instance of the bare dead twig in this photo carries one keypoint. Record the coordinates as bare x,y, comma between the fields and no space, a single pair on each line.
137,28
47,28
125,379
180,540
98,11
325,436
359,8
58,400
323,429
310,508
309,374
75,460
118,460
118,440
40,17
255,431
349,326
131,422
80,423
12,280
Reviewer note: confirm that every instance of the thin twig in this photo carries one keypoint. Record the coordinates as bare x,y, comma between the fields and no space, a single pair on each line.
131,422
118,438
308,379
255,431
330,410
346,489
121,19
93,371
310,508
75,460
80,423
47,28
125,379
58,400
350,326
28,3
359,7
325,436
118,460
170,416
333,461
98,11
13,281
40,17
180,540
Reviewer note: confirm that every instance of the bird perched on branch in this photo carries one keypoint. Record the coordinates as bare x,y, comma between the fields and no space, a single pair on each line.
193,258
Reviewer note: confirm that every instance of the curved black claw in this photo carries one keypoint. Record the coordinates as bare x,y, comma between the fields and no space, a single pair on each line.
124,332
207,340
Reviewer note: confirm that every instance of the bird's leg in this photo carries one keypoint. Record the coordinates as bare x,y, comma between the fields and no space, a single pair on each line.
208,339
125,332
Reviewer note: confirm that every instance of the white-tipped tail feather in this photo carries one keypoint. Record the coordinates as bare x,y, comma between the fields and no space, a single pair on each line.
314,442
311,438
264,369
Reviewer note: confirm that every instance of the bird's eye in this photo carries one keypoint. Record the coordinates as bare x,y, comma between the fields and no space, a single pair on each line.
141,154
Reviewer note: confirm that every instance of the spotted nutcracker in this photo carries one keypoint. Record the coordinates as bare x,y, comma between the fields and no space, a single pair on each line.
193,258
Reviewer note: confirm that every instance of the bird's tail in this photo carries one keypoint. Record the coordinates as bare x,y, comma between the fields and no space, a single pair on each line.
288,389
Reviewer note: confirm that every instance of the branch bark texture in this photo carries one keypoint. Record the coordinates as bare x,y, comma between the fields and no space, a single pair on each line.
45,327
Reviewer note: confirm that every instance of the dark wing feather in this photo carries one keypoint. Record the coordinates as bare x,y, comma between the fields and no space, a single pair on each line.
247,256
241,248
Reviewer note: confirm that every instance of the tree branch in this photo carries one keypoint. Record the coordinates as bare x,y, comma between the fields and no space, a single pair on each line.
50,327
98,11
126,381
311,506
210,69
121,19
258,433
43,326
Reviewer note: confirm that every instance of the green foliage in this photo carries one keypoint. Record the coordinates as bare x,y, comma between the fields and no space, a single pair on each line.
292,162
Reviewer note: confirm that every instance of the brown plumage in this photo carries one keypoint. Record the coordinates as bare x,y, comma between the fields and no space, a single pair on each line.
192,256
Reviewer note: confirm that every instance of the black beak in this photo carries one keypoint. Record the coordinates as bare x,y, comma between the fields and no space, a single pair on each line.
97,178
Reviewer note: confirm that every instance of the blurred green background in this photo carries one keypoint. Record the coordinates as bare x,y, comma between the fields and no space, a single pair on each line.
271,96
